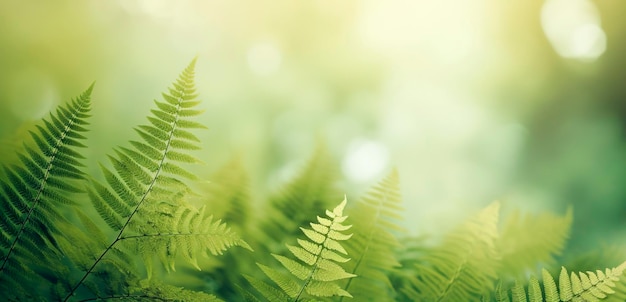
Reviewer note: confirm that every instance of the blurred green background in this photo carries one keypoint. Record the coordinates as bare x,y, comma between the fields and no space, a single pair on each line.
472,101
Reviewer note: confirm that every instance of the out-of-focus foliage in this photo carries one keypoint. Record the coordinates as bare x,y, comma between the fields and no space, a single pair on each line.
472,101
584,286
475,100
374,244
146,213
530,240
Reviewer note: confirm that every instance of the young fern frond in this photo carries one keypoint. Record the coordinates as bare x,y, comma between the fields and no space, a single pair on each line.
528,241
463,267
148,175
374,242
317,270
582,287
309,193
34,192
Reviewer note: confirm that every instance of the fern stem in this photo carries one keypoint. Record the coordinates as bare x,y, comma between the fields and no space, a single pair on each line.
310,276
157,235
80,282
141,201
315,265
40,191
122,297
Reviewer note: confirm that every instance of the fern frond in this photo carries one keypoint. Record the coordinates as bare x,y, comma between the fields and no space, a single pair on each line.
34,192
187,232
528,241
148,178
584,286
309,193
317,267
463,267
143,173
373,244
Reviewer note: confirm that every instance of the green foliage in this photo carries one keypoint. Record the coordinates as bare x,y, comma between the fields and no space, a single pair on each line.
317,269
308,193
469,260
228,197
145,208
144,202
463,266
584,286
35,192
374,242
527,241
228,194
164,292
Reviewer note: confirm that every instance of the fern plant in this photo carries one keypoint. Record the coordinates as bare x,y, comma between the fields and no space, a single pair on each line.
589,286
54,247
316,271
143,201
35,194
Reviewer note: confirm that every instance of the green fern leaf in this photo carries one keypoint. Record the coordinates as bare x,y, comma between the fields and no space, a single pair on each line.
463,267
33,193
374,243
316,270
141,201
584,286
528,241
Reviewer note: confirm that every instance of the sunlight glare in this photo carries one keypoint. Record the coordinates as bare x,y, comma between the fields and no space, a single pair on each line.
573,28
365,160
264,58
